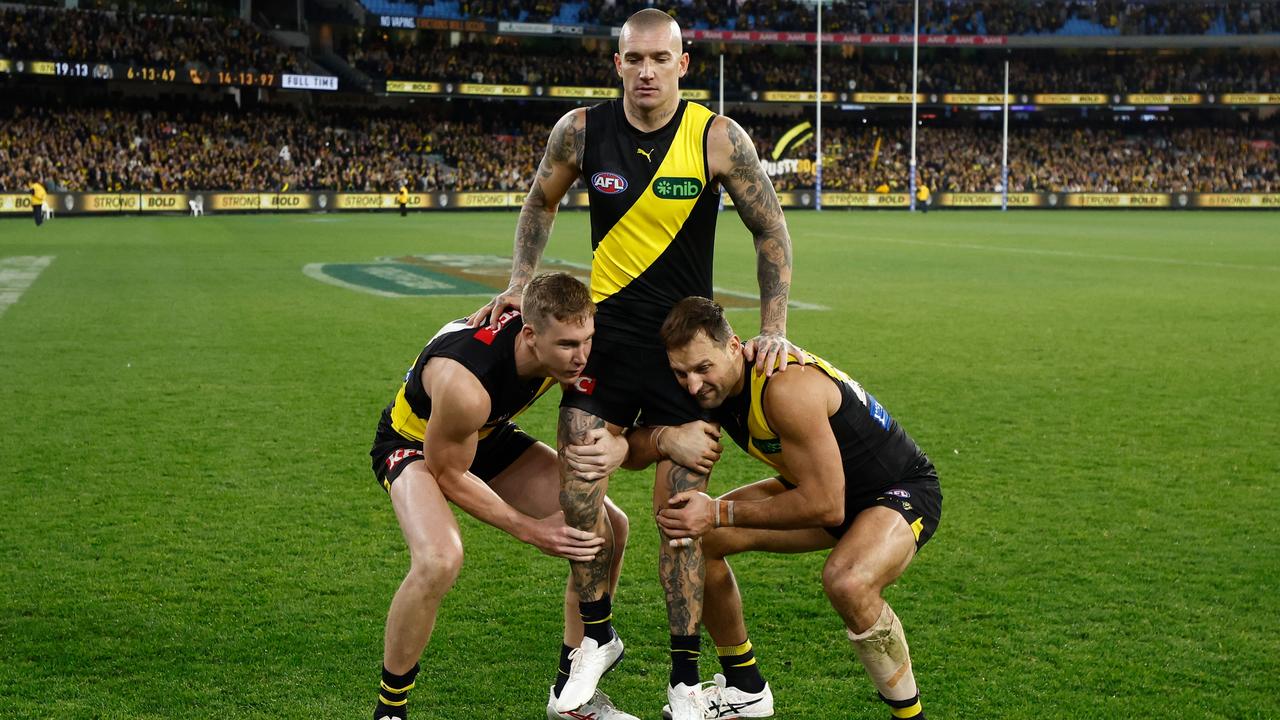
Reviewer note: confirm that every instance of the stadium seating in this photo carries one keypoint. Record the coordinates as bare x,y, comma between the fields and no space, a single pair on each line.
870,71
93,37
958,17
148,141
206,149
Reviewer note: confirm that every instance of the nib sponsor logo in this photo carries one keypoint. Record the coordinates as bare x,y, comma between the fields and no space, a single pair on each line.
677,188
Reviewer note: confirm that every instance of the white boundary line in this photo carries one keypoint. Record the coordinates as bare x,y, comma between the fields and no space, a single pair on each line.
17,274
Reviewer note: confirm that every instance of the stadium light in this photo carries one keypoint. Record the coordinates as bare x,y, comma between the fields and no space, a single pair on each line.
1004,161
817,172
915,81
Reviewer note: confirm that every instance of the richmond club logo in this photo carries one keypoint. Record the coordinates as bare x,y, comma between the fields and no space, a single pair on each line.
608,183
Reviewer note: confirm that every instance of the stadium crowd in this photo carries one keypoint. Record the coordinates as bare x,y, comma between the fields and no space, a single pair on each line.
944,17
141,149
119,37
1068,159
757,69
148,150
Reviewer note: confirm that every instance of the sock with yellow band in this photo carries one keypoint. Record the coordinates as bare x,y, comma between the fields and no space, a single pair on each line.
597,618
562,675
393,694
740,669
910,709
685,651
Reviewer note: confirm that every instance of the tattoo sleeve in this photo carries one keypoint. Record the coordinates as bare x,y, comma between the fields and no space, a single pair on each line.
565,147
758,206
583,505
681,569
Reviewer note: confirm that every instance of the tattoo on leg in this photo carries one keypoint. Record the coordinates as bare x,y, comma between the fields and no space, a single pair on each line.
583,505
682,569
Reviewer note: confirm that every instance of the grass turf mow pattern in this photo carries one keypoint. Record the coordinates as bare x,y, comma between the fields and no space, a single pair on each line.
191,528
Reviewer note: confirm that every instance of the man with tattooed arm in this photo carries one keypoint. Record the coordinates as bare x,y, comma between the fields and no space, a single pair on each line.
654,165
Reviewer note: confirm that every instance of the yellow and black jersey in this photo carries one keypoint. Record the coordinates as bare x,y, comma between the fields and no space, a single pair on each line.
489,355
38,193
874,449
653,217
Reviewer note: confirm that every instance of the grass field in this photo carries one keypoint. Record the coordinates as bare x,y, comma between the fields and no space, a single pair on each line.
190,528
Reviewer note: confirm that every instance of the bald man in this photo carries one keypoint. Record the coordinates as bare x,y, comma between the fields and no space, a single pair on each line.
654,165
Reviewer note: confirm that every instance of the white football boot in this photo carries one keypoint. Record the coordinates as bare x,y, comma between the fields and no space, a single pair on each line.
726,701
588,664
599,707
686,702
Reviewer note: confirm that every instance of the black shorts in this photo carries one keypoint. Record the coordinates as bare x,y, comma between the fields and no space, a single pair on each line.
917,497
628,385
393,452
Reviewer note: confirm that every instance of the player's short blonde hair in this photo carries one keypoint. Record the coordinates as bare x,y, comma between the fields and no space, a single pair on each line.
556,295
648,19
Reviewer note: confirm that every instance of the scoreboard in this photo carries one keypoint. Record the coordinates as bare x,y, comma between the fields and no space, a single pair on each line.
151,73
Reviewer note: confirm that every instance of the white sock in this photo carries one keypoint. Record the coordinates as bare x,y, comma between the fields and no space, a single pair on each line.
884,653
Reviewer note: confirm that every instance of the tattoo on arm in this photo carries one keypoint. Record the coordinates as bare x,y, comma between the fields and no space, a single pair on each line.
583,505
758,206
773,271
568,139
682,570
536,218
532,230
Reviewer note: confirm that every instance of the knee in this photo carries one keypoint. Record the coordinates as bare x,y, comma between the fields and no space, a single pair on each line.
716,545
434,568
621,525
850,586
581,506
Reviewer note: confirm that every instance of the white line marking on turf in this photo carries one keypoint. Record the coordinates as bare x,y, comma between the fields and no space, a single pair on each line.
17,274
1083,256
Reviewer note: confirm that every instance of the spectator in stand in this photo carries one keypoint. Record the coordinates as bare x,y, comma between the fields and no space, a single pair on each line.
760,68
120,37
163,150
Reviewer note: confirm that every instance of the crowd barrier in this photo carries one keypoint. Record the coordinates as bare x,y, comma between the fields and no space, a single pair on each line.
13,204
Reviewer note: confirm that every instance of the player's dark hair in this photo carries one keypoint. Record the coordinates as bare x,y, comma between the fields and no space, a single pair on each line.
556,295
691,316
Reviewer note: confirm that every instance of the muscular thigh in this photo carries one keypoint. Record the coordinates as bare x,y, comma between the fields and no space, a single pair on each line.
878,546
531,484
424,515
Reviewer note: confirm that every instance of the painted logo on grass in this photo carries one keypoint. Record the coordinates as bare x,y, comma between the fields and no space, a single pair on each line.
480,276
677,188
435,274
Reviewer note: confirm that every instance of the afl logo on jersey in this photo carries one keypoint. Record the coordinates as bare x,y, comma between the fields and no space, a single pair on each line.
609,183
